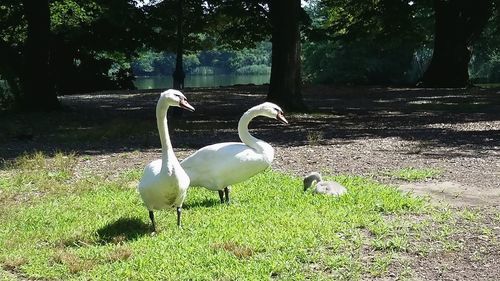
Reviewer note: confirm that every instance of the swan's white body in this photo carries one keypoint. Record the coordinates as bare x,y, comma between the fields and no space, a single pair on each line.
323,187
164,183
162,188
220,165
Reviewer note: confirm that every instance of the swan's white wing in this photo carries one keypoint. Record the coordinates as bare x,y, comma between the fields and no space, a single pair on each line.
219,165
149,174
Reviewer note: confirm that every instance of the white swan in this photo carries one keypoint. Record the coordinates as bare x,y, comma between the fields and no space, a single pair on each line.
164,183
220,165
323,187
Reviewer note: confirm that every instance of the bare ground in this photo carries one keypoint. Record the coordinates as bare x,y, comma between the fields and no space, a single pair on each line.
355,130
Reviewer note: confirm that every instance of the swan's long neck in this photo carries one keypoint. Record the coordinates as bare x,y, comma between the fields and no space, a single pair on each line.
243,132
167,151
310,179
259,145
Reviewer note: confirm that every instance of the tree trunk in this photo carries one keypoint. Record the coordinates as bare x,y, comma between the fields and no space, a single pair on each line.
285,84
458,23
179,74
38,88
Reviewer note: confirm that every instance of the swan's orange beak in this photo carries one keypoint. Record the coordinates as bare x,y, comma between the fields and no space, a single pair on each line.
280,117
184,104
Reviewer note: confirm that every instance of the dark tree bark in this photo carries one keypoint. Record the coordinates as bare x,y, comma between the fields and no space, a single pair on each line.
285,82
179,74
458,23
38,88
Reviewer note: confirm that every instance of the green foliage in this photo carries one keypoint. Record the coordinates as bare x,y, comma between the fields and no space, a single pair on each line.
485,63
12,36
238,24
365,42
12,23
71,14
94,43
6,97
377,42
485,67
91,44
95,228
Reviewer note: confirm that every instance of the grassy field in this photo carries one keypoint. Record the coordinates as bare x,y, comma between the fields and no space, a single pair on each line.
57,224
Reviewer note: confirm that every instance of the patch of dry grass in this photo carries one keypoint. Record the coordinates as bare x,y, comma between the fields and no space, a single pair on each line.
239,251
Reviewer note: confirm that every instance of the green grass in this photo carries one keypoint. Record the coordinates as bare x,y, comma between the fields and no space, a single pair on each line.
414,174
55,226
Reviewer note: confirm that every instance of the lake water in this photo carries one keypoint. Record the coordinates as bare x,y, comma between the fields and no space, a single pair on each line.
161,82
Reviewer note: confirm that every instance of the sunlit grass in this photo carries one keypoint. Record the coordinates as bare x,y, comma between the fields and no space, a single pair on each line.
92,228
36,174
414,174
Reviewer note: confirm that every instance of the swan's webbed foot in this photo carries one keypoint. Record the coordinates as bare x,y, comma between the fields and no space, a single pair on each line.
179,211
152,218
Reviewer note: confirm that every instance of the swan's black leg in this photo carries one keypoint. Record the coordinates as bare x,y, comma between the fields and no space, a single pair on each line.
179,211
221,196
226,192
152,217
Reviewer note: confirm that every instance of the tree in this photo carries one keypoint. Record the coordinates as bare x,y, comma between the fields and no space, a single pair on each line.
179,74
364,41
38,88
180,33
93,42
285,82
64,46
458,24
239,24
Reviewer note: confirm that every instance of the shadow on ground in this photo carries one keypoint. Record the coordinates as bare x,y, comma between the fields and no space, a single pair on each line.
124,229
105,122
205,203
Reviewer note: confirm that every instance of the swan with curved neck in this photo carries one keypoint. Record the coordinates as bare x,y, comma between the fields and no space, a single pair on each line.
323,187
220,165
164,183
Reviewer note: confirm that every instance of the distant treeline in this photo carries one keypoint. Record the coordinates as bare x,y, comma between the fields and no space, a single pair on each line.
246,61
326,62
